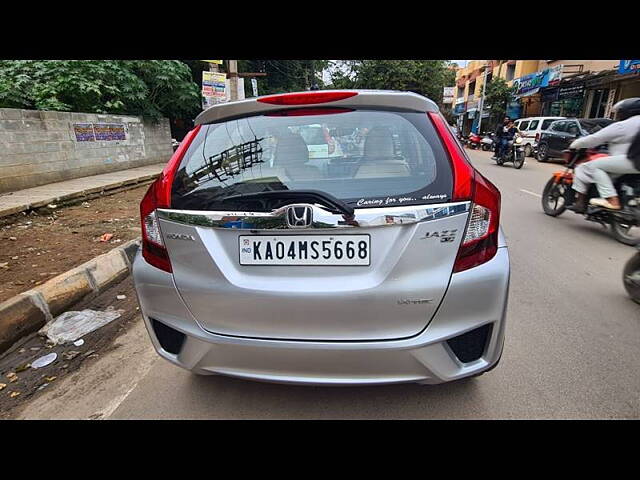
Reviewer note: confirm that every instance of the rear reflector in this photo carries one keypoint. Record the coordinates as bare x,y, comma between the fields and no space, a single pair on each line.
306,98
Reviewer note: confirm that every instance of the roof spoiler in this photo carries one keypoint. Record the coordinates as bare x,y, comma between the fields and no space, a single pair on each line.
380,99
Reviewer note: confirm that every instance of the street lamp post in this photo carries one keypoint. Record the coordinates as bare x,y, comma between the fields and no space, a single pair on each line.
484,87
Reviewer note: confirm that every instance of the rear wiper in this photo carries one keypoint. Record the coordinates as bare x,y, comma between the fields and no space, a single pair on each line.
320,197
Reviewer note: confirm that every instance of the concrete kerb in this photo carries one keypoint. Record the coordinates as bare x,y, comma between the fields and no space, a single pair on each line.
29,311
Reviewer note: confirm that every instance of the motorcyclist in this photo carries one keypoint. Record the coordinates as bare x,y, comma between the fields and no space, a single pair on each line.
618,136
500,132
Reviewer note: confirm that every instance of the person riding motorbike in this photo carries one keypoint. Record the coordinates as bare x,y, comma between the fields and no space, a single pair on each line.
500,132
508,135
618,136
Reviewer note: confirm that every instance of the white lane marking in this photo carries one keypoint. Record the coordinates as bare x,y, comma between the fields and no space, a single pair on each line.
531,193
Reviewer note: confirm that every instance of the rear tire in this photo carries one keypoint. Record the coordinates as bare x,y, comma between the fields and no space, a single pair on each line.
631,278
627,234
552,195
543,153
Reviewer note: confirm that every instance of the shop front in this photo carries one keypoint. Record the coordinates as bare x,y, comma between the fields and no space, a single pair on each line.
566,100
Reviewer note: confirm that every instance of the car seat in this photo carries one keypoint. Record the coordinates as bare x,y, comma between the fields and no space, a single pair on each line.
379,159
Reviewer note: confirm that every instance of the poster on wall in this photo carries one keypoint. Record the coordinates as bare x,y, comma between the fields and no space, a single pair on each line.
109,131
84,132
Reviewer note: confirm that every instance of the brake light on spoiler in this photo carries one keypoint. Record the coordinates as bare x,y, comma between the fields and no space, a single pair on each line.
306,98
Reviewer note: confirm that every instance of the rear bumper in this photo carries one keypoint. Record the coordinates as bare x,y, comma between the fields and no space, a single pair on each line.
475,298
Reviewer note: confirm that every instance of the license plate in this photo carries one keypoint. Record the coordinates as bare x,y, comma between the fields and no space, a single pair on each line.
305,250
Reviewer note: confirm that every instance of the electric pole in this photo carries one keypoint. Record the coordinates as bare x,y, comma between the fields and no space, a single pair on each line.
232,71
484,88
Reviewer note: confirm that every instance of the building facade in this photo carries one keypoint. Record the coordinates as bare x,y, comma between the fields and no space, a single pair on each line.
571,88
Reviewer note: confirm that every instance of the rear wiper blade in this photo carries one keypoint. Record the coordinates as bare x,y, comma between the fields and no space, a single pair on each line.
320,197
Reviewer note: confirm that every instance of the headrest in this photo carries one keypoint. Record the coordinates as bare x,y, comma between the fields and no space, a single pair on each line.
290,150
378,143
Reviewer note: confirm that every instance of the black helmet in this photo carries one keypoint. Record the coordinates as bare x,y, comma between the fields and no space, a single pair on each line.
626,108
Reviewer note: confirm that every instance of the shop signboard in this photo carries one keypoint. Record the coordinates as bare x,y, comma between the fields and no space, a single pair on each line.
214,88
572,91
532,83
629,66
459,108
447,95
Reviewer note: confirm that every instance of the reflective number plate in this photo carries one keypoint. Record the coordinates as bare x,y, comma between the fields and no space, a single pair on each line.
305,250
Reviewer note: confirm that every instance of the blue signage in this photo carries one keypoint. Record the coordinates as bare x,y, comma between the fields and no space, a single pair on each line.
629,66
530,84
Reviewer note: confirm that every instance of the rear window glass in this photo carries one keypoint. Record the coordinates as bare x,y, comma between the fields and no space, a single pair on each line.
592,126
366,158
546,123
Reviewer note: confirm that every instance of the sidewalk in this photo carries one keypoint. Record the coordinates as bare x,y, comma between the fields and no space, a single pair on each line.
15,202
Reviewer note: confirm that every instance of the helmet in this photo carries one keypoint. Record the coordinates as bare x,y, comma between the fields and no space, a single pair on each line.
627,108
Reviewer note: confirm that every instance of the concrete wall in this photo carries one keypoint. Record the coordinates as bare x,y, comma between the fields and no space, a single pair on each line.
40,147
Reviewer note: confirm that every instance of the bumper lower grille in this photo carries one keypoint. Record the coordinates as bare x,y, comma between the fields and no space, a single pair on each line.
471,345
171,340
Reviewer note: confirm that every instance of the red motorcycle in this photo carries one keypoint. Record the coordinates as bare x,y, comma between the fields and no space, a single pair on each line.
558,195
474,141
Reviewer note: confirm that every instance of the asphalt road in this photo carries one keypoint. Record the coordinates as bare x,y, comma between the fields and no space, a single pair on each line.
571,350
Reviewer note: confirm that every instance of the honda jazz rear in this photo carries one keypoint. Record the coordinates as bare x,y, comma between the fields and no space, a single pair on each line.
380,260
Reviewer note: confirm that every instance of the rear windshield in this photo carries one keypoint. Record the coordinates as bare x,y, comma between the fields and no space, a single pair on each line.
593,125
547,122
366,158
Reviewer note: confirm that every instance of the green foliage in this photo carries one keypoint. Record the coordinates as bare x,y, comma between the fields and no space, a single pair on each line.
425,77
497,96
283,75
152,88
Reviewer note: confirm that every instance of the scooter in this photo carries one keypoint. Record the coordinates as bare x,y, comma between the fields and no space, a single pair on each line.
558,195
514,152
631,276
487,142
474,141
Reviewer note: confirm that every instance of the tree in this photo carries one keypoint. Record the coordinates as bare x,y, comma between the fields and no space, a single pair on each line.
152,88
284,75
425,77
497,96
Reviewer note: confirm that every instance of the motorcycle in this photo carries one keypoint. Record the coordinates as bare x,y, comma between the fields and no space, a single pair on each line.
514,152
474,140
631,276
624,224
487,142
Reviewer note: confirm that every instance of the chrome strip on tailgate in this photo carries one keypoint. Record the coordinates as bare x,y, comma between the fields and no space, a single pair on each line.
321,218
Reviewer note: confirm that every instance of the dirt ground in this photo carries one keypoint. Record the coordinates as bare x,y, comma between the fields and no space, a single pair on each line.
39,245
30,382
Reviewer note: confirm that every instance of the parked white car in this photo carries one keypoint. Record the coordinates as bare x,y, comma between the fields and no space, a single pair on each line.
531,129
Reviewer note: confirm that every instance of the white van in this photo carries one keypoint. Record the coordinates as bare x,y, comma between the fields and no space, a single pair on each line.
530,128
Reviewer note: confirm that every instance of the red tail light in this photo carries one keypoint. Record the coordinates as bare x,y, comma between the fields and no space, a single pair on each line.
159,196
463,172
480,243
306,98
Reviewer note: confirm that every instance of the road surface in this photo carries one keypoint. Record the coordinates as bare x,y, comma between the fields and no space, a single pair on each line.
571,350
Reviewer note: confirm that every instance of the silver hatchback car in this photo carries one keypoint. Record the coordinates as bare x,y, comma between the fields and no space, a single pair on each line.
266,258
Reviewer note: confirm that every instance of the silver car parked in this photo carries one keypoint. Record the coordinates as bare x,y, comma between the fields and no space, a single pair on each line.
384,264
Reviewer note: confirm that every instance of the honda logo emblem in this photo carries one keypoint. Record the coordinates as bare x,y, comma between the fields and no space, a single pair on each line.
299,216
